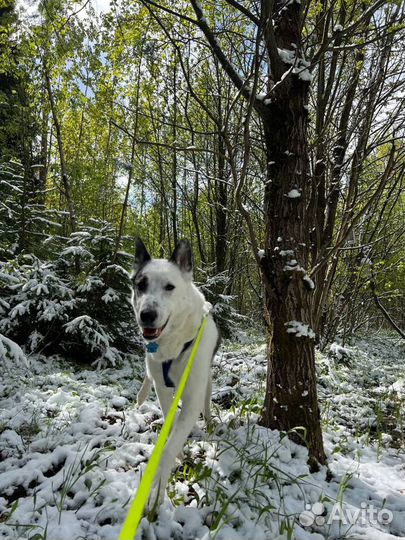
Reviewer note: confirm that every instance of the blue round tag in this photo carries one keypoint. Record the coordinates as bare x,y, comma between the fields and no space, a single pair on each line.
152,346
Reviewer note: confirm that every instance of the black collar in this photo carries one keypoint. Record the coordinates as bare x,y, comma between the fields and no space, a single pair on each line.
167,364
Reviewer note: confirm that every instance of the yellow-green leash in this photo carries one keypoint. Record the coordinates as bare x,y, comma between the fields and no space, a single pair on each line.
131,523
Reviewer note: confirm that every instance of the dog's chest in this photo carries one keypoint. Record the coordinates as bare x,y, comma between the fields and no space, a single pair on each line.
168,373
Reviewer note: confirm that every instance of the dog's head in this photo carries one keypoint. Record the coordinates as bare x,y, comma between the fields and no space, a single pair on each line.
160,288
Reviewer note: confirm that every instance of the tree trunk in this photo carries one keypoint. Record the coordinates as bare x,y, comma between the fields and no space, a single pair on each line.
291,395
126,197
174,161
131,167
67,188
43,154
221,209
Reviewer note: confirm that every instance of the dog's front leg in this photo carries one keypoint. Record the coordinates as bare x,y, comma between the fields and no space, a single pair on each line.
164,393
184,423
207,401
144,391
165,397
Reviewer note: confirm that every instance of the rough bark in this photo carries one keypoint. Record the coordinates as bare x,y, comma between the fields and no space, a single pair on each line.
291,402
291,397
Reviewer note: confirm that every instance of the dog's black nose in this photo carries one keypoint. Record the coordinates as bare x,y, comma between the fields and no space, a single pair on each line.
148,316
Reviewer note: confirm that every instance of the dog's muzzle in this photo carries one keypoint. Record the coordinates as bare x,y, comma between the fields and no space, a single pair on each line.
153,333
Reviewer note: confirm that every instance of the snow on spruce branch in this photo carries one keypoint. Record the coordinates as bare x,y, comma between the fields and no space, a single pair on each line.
10,351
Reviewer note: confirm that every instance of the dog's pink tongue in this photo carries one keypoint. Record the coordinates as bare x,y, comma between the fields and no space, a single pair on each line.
151,332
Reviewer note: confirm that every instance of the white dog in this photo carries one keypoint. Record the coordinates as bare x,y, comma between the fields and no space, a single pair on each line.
169,310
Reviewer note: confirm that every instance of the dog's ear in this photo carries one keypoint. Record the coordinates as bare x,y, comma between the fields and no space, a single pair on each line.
182,256
141,254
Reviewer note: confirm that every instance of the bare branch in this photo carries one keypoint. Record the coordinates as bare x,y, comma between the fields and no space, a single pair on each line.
224,61
171,11
245,11
383,310
161,144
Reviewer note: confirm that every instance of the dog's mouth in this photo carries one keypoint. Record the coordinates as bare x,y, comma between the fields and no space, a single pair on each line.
153,333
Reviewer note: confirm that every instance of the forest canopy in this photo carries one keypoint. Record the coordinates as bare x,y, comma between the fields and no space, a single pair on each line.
124,117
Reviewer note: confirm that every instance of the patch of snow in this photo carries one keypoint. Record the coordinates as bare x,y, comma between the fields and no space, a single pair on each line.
79,322
399,387
76,251
303,73
287,56
261,253
309,281
73,426
300,329
293,194
11,354
110,296
287,253
293,266
339,351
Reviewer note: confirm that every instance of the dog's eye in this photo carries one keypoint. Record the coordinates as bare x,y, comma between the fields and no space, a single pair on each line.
142,285
169,287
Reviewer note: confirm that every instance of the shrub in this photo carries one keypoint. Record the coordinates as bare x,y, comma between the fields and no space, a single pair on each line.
78,304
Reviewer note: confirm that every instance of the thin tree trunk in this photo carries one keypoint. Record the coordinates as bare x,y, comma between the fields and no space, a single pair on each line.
125,203
174,163
221,210
385,313
103,190
43,171
67,188
194,203
131,169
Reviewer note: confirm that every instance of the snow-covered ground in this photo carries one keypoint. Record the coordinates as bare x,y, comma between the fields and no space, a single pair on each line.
73,445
